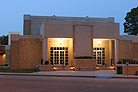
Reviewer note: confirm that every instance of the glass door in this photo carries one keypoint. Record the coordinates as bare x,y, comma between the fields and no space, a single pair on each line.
59,57
56,58
99,54
99,57
62,57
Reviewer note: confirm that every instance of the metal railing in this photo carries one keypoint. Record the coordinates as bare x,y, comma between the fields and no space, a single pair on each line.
129,60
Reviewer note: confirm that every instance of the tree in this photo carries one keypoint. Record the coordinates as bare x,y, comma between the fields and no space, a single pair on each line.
131,22
4,40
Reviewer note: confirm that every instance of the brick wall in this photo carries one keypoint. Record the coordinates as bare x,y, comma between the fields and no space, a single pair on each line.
131,70
125,49
46,68
86,63
135,51
25,53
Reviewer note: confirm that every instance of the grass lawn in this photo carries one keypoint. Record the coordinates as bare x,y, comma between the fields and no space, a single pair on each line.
7,69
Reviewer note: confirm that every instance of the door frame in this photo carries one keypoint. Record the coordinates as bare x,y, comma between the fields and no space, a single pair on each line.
59,58
102,50
97,56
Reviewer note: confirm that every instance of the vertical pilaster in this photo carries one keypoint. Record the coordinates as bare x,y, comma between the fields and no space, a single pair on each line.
74,52
45,49
116,50
92,41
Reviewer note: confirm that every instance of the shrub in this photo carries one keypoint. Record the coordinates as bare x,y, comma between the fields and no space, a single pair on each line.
84,57
119,62
46,62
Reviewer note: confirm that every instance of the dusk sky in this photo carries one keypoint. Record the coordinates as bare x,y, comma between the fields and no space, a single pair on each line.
12,11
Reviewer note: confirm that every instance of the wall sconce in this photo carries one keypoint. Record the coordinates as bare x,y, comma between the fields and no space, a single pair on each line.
60,41
99,42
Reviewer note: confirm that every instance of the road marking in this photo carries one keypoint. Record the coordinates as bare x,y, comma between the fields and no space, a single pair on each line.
1,76
102,77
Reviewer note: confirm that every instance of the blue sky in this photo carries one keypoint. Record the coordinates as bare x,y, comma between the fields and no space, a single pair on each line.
12,11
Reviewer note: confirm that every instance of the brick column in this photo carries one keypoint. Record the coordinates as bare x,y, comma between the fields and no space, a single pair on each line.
116,50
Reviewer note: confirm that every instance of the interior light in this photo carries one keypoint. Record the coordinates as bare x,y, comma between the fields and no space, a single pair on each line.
99,42
60,41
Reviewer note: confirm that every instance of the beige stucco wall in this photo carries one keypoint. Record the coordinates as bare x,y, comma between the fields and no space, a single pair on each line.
58,29
106,30
83,40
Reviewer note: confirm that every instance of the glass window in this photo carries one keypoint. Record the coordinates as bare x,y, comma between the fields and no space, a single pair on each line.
66,48
94,48
51,48
51,51
61,48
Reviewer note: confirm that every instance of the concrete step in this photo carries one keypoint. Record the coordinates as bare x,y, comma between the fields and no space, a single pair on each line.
105,68
63,68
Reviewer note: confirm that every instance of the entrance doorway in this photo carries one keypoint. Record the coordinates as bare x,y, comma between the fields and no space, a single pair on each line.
99,54
59,55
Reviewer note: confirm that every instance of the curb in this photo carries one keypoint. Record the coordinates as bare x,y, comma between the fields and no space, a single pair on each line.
125,77
71,76
50,75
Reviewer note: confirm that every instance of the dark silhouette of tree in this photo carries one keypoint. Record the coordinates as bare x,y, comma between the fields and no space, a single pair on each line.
4,40
131,22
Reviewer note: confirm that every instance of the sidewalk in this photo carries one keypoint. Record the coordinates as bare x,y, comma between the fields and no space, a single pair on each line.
92,74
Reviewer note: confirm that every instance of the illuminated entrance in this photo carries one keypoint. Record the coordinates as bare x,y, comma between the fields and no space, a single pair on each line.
59,55
99,54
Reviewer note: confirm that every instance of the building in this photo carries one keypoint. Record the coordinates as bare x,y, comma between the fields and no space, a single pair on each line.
61,39
2,55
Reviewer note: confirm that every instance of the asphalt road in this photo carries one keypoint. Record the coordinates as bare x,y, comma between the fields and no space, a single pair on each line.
10,83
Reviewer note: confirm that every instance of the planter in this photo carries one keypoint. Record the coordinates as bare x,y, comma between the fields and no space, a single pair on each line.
84,64
46,67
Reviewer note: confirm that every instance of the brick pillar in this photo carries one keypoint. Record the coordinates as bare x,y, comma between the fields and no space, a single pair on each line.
116,50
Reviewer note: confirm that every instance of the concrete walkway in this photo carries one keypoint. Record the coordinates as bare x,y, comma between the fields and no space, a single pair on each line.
111,73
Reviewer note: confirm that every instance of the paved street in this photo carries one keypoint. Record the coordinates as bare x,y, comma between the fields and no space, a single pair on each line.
12,83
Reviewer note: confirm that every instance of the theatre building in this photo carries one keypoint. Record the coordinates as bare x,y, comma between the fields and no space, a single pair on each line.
60,39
